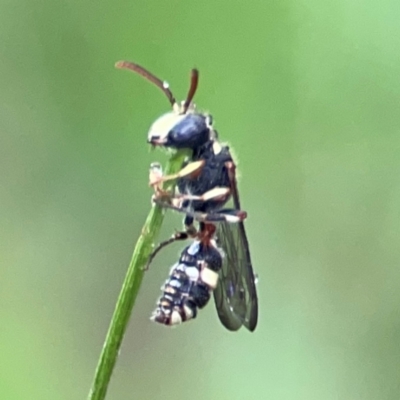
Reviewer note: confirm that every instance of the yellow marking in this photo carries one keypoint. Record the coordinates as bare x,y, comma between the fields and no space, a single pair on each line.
175,318
216,193
170,290
189,169
209,277
217,148
188,312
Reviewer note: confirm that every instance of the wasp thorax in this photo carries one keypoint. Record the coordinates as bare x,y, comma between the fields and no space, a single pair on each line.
180,131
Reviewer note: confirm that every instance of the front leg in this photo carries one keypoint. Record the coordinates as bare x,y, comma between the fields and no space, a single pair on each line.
191,170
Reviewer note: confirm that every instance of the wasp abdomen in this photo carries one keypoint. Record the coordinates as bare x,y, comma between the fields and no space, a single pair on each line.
189,285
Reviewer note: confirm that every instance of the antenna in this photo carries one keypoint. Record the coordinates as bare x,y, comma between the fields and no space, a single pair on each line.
156,81
194,80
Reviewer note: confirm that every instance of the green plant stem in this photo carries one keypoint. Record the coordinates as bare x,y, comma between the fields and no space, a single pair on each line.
129,292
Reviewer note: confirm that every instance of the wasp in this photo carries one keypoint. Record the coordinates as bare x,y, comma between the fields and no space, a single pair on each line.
218,260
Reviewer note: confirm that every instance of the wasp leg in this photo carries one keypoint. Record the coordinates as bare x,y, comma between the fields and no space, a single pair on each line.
155,174
155,180
218,193
174,238
228,215
190,170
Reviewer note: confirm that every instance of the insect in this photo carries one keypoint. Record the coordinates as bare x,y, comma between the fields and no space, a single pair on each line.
206,181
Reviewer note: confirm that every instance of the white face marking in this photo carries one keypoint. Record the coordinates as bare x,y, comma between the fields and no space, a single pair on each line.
163,125
192,273
209,277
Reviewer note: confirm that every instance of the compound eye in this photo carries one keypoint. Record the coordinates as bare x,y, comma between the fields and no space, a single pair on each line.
189,133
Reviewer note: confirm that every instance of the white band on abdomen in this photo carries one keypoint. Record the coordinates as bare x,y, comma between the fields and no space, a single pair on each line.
209,277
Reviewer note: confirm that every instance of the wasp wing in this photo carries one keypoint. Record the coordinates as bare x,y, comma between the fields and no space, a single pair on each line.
236,296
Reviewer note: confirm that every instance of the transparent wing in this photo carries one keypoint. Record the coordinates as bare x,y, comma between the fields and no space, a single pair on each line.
236,296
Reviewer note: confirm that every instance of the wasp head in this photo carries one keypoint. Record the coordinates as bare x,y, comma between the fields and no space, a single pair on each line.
183,127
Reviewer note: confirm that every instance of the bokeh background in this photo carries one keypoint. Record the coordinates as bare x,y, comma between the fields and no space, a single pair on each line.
307,93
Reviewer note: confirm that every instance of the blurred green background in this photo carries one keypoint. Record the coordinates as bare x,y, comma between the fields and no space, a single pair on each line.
307,93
